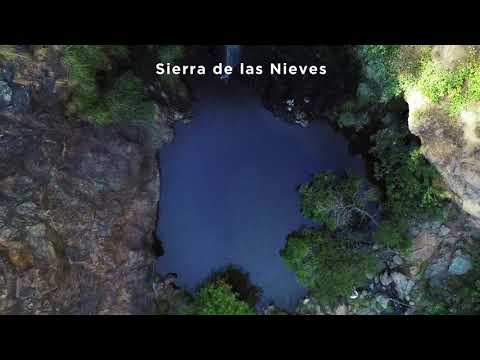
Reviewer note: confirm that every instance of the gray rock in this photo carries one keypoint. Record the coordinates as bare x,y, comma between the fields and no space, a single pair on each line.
414,231
385,279
403,285
397,260
436,273
20,98
6,94
460,265
436,225
382,300
341,310
444,231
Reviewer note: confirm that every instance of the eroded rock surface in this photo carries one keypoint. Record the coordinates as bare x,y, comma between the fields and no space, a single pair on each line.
451,143
77,210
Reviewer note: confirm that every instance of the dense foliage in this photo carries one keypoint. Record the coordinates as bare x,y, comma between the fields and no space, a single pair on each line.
100,94
392,70
218,298
326,265
240,284
393,235
335,201
411,183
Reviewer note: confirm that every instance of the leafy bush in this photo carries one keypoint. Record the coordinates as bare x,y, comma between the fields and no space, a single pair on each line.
325,265
217,298
460,86
392,70
378,67
411,183
171,53
240,284
392,235
334,201
357,121
107,102
126,100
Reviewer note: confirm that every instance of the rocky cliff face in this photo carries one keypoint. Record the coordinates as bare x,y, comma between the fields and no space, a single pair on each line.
77,205
451,143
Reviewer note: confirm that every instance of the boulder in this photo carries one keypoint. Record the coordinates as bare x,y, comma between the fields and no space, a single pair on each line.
403,285
460,265
6,94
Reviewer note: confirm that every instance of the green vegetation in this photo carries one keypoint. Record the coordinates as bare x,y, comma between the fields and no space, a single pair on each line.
126,100
336,202
240,284
98,95
218,298
412,186
379,67
393,235
411,183
459,296
172,54
461,86
8,53
392,70
326,265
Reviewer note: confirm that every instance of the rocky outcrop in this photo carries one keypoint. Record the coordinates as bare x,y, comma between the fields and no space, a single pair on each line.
77,207
452,145
77,215
450,142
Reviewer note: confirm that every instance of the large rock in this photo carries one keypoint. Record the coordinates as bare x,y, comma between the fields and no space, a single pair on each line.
460,265
5,94
78,214
403,285
451,143
78,211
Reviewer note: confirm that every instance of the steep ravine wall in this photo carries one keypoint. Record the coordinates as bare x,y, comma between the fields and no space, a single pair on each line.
78,203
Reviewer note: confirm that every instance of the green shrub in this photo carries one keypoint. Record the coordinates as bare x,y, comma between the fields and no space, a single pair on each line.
240,284
325,265
126,100
357,121
217,298
392,235
113,100
171,53
411,183
392,70
334,201
378,66
459,86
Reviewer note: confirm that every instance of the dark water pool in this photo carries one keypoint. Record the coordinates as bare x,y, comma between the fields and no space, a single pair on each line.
229,189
